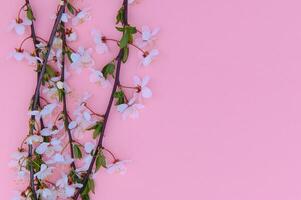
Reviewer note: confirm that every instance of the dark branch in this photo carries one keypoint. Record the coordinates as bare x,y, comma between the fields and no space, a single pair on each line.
65,111
36,97
107,113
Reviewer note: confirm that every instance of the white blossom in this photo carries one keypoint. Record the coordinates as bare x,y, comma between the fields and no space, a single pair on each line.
118,167
44,172
47,194
58,158
71,37
130,109
17,158
147,36
81,17
60,85
65,17
48,109
19,25
49,131
142,85
81,59
89,146
67,190
72,125
101,46
96,76
18,54
32,59
149,56
87,160
32,139
42,148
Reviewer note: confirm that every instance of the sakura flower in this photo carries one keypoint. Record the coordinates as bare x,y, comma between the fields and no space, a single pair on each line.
96,76
141,85
118,167
81,17
70,35
48,131
16,159
44,172
65,17
81,59
131,1
47,194
147,36
21,196
32,59
130,109
72,125
32,139
60,85
60,159
89,147
57,43
56,144
67,189
42,148
99,40
48,109
87,116
19,25
86,164
18,54
149,56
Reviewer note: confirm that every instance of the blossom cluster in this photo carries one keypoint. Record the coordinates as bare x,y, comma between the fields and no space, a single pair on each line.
55,160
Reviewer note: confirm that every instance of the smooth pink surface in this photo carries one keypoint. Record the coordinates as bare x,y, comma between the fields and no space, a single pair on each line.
224,123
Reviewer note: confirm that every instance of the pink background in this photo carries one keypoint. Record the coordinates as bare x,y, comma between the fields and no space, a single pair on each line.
224,122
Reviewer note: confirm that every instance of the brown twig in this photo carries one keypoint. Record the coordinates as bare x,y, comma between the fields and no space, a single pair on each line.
65,111
107,113
36,97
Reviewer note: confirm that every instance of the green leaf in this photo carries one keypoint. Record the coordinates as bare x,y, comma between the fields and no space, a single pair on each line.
68,52
100,161
97,130
120,15
70,8
125,54
119,96
108,70
61,94
85,197
127,36
124,40
91,185
121,29
29,14
77,152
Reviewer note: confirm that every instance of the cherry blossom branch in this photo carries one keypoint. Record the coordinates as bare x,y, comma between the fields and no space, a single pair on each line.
65,111
107,112
36,97
30,151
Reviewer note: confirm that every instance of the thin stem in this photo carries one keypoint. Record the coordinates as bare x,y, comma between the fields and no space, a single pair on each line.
19,13
107,113
114,40
23,41
128,87
93,113
110,152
